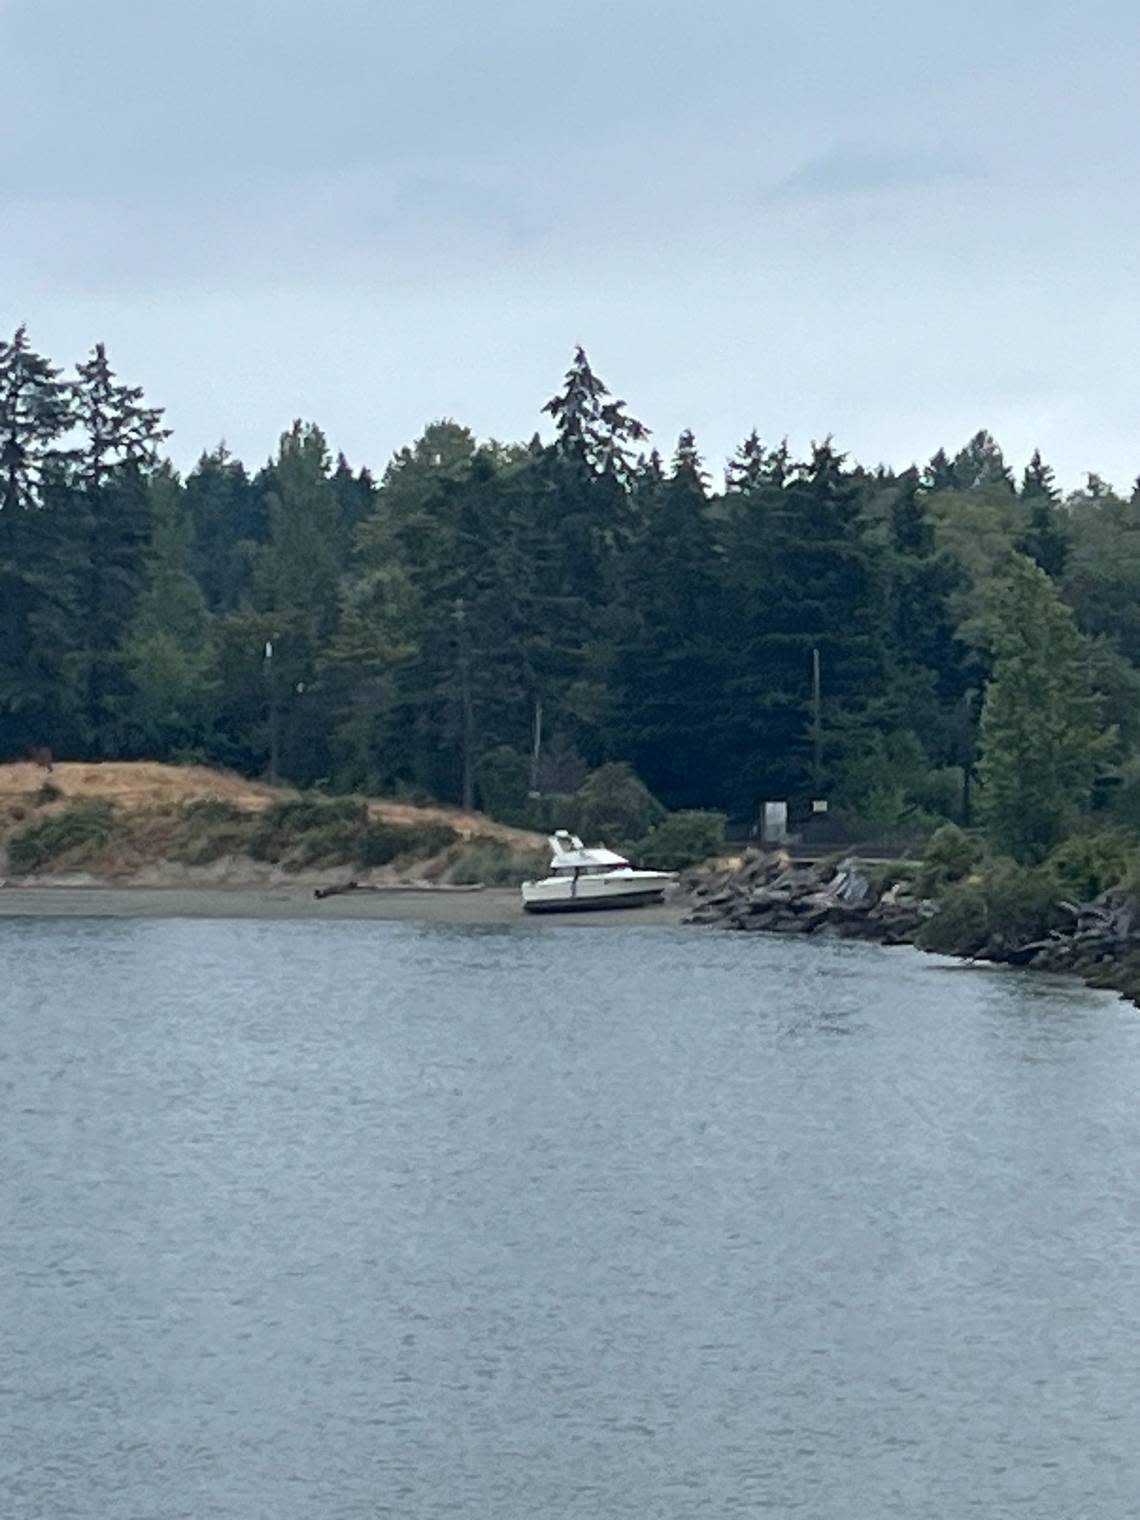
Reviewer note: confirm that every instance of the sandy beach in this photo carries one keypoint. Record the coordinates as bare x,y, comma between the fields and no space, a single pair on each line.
491,906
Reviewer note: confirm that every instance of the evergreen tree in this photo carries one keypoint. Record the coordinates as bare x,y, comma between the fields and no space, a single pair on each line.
296,584
939,473
669,668
121,434
981,466
1041,736
747,469
169,653
1096,488
592,431
355,497
1038,480
36,410
109,511
812,581
230,523
912,532
37,561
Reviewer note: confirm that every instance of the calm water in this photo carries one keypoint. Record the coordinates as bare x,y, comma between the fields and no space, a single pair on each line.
303,1221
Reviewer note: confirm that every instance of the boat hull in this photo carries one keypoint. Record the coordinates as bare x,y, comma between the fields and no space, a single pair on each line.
639,899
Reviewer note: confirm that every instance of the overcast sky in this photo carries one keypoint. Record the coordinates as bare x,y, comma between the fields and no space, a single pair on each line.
896,222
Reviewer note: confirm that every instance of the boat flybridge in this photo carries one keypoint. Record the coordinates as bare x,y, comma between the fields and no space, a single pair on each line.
598,878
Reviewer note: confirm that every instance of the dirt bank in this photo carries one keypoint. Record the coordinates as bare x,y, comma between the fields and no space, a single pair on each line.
146,784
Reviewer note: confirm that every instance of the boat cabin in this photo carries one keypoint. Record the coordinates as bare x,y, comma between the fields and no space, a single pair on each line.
570,857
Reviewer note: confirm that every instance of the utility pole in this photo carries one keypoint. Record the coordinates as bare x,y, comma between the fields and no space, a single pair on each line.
816,724
271,688
536,752
463,643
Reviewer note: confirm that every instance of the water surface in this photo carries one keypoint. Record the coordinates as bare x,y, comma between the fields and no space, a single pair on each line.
311,1220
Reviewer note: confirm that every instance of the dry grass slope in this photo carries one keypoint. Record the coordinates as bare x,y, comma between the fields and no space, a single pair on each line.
152,804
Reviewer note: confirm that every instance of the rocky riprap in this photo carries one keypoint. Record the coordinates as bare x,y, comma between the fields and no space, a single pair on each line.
1106,930
775,894
1097,940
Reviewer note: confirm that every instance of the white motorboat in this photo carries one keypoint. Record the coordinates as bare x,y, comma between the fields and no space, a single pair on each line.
581,879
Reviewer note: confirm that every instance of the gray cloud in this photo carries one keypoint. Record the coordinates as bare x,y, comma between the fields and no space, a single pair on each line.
849,169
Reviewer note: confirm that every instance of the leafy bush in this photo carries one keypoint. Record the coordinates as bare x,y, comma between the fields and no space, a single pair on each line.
680,840
614,805
1124,806
938,793
503,777
1008,904
950,855
1088,864
205,810
962,924
81,829
305,829
46,793
493,863
414,795
208,829
1022,901
553,810
381,843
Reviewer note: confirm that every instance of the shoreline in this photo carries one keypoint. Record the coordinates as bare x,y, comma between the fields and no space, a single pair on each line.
481,908
490,907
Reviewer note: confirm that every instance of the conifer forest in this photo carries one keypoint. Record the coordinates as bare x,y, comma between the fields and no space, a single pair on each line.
485,622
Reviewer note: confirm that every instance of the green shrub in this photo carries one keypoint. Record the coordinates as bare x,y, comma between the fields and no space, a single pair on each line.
306,829
411,793
884,874
81,829
1124,806
1088,864
938,793
381,843
1008,904
553,810
503,777
212,810
46,793
613,805
950,855
493,863
208,829
961,925
1021,900
680,840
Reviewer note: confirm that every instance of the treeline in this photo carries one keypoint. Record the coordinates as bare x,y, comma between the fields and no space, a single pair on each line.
417,632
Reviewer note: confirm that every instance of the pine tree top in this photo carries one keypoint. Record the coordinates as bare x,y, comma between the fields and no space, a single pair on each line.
593,431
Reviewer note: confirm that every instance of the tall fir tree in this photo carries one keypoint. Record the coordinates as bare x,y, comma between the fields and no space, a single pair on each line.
38,563
36,411
230,523
669,669
1045,538
1041,734
169,650
110,511
981,466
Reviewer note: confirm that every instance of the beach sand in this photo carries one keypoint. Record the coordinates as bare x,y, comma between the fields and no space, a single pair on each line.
492,906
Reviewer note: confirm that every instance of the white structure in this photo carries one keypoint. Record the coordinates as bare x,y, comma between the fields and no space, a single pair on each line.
581,878
774,823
